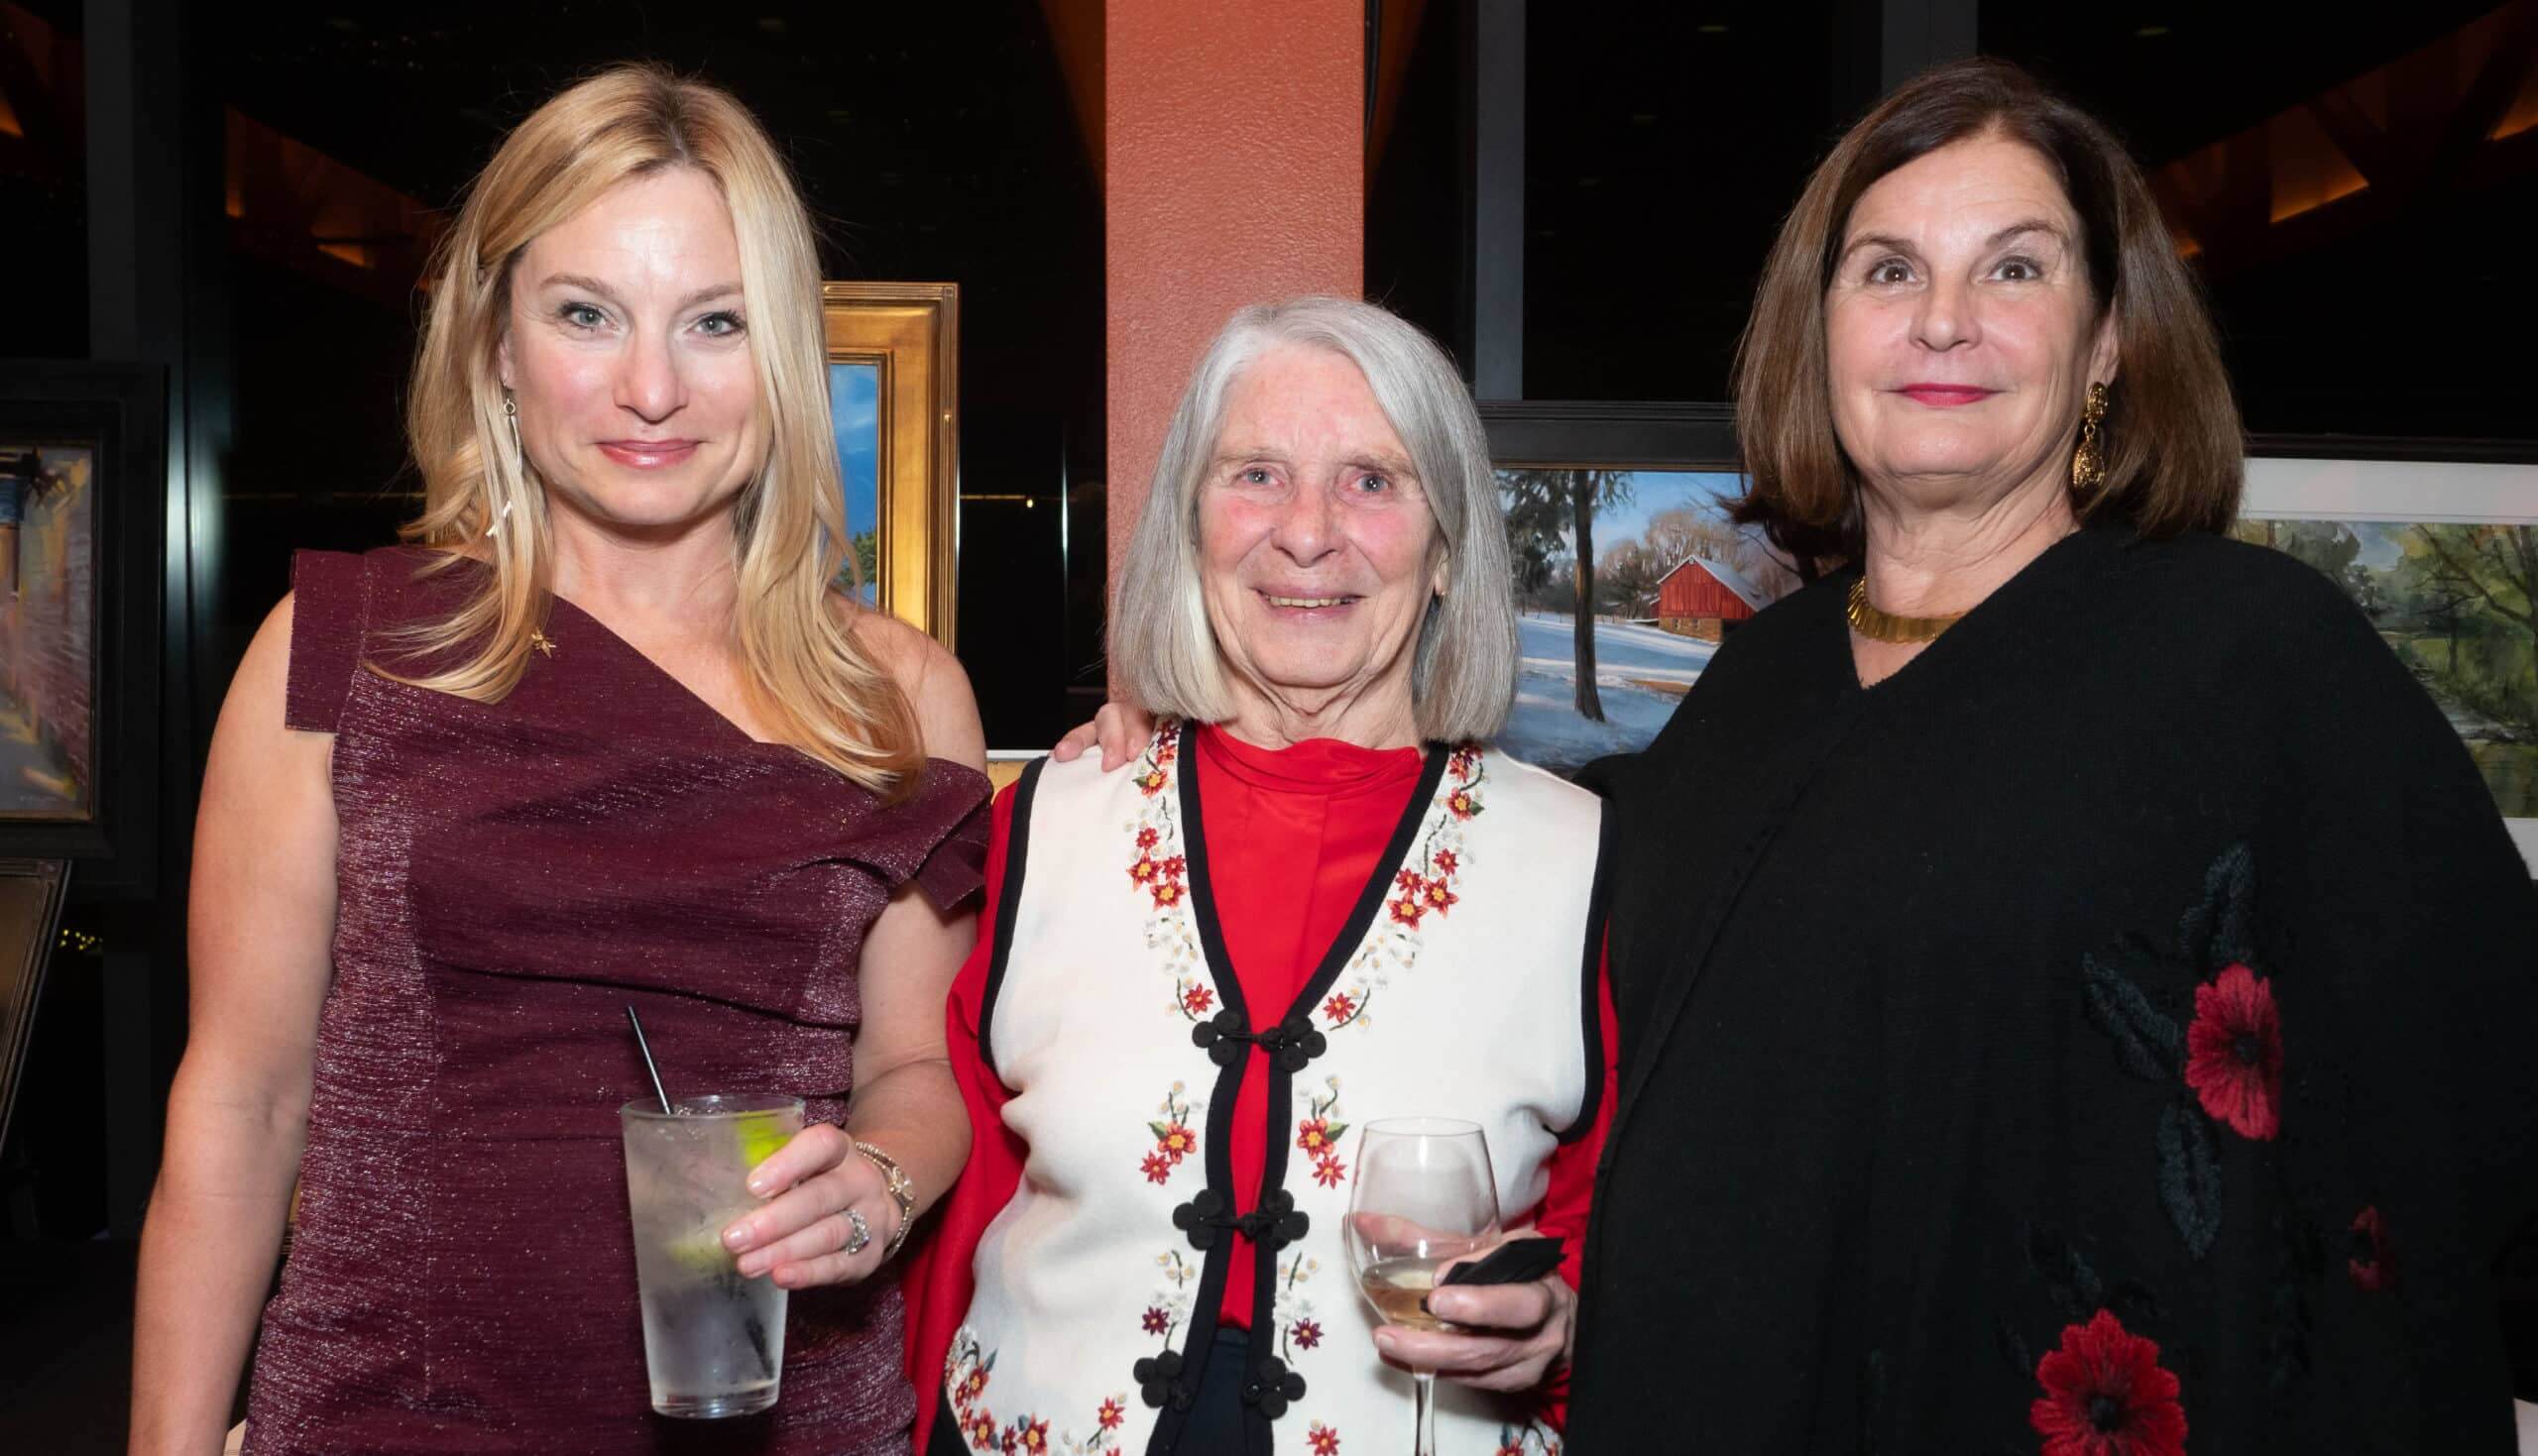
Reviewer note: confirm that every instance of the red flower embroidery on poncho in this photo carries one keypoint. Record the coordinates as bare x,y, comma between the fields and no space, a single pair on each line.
2105,1395
2234,1052
1340,1007
1328,1172
1111,1413
2369,1258
1031,1438
1406,910
1156,1168
1156,1321
1306,1334
1198,999
1437,897
1314,1136
1324,1440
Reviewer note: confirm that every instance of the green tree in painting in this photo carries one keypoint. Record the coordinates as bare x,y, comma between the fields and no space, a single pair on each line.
2477,587
1552,508
868,559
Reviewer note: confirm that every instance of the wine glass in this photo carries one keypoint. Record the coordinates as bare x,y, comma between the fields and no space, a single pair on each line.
1422,1196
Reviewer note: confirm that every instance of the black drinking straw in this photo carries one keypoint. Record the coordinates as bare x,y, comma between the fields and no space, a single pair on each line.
646,1048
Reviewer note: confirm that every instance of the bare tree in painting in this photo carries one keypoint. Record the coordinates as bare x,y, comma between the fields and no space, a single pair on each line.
1542,507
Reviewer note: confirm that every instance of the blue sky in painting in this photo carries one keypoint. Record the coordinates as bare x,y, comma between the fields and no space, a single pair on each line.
853,390
1653,491
854,405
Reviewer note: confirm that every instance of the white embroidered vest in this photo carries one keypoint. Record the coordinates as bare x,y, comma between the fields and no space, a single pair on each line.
1459,988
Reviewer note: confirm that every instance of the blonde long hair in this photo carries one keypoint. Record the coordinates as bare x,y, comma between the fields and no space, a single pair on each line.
802,667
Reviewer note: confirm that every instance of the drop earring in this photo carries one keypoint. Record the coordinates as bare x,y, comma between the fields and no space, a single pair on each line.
519,460
2088,463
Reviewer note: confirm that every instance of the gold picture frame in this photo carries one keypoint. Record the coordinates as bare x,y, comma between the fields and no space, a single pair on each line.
894,354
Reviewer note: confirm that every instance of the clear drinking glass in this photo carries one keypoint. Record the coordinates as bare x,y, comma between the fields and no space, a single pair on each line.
1424,1195
714,1342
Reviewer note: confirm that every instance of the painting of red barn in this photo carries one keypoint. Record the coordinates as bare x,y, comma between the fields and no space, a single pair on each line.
1611,637
1701,598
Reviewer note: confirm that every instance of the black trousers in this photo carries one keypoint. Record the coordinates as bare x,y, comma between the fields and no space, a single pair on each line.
1214,1428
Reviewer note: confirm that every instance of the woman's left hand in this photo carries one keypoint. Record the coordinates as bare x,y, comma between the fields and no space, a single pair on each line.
800,1236
1511,1336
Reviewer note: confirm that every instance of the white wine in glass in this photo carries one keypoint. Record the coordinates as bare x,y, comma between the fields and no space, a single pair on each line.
1422,1196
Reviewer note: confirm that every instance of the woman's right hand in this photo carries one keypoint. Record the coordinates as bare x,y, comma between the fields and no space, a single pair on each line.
1121,728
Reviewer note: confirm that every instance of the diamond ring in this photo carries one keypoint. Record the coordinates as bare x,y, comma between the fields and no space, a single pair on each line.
859,1233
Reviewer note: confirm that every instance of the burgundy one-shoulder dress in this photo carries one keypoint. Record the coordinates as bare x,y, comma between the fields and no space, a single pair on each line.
509,877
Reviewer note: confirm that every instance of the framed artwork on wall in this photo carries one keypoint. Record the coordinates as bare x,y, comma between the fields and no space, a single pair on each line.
1604,659
894,360
2443,558
83,481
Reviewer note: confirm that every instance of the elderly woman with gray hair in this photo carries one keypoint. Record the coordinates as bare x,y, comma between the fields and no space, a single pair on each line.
1317,900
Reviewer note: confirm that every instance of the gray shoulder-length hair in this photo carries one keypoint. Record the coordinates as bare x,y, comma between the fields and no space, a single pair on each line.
1464,672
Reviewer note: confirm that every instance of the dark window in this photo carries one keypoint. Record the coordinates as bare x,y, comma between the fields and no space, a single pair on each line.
2354,193
1663,143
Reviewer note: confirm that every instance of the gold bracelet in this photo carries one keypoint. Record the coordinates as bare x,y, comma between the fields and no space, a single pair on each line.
894,1180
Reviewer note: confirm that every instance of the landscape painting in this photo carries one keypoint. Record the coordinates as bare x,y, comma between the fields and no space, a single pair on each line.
47,632
2457,602
854,413
1609,650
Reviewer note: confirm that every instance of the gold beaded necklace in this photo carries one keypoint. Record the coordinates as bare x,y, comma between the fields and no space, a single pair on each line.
1885,627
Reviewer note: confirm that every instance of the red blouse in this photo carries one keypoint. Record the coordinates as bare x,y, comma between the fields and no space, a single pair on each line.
1292,836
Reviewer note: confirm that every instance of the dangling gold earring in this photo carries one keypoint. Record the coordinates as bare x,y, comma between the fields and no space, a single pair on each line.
2088,463
519,460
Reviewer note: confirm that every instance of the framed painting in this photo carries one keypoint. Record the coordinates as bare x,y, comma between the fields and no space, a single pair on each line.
83,475
1607,651
2443,558
894,360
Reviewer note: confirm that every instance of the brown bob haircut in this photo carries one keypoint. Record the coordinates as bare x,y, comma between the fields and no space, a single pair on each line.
2174,450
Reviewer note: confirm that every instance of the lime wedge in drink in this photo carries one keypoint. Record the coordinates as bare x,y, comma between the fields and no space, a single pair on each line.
761,1133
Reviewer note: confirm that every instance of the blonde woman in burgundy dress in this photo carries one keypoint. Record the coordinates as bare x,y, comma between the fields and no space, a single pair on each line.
603,735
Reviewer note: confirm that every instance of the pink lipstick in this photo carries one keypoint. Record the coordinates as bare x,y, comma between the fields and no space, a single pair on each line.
1946,397
648,454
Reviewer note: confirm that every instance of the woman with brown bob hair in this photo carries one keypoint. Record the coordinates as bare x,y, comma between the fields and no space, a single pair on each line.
606,737
2074,985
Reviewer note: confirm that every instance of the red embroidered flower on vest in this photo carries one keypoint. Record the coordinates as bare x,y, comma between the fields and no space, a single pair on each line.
1306,1334
2105,1395
1324,1440
2234,1052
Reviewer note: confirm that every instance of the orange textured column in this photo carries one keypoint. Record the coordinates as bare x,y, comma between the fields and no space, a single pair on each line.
1234,139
